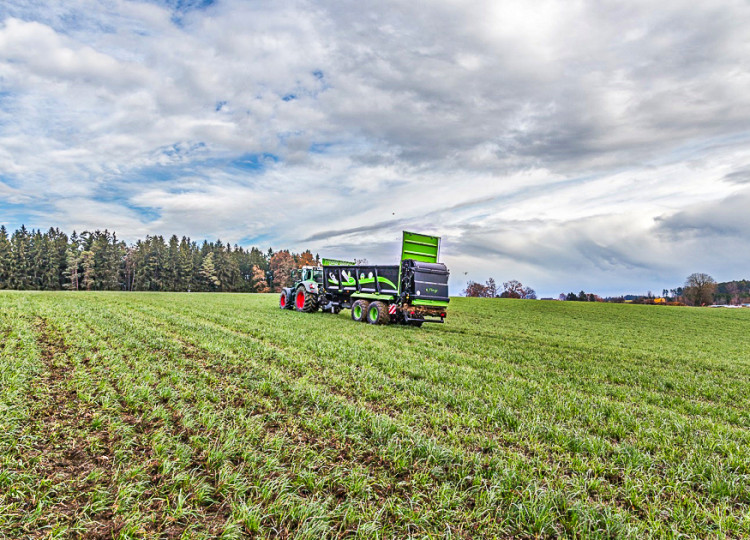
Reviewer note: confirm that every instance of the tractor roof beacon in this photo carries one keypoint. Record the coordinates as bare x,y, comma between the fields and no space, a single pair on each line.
412,292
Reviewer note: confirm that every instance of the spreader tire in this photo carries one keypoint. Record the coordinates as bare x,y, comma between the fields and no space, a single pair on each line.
359,310
304,301
377,313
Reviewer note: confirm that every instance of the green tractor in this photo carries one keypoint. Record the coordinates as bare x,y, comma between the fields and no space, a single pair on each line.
304,295
413,292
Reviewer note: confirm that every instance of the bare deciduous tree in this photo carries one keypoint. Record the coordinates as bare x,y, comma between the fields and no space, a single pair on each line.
476,290
734,293
513,289
699,289
281,266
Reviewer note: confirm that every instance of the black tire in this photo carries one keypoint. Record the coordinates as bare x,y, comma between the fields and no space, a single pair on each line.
284,300
304,301
359,310
377,313
418,324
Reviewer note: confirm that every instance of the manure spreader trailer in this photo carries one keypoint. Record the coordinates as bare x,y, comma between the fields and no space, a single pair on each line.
412,292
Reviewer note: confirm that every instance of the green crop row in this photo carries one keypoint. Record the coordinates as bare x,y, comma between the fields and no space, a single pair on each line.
200,415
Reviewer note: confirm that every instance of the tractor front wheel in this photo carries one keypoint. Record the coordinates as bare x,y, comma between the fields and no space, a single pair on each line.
359,310
304,301
377,313
282,300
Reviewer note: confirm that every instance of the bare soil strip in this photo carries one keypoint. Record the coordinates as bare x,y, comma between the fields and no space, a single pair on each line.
73,456
159,494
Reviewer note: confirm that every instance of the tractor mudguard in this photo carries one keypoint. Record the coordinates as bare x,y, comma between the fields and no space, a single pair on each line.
311,287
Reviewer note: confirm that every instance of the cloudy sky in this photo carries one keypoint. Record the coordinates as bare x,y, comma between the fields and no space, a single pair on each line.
569,144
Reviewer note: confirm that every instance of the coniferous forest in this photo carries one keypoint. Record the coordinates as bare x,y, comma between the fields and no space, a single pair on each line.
99,261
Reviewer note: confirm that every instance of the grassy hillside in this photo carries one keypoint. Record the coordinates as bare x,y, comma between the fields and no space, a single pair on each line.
161,415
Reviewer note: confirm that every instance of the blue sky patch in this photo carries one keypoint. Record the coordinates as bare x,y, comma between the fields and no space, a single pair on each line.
320,148
146,214
258,240
254,162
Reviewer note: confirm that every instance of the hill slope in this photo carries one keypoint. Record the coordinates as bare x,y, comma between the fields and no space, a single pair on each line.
139,414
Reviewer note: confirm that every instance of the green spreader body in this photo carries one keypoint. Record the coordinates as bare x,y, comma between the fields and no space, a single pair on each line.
412,292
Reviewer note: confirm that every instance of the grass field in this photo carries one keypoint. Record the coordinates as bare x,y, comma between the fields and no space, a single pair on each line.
198,415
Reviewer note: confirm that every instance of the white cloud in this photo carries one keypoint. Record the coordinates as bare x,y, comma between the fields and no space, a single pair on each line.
568,139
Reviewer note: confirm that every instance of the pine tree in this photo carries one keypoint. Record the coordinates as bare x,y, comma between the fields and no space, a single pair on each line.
39,258
208,273
89,276
173,264
5,258
72,263
54,278
151,262
20,262
71,272
185,264
128,268
115,262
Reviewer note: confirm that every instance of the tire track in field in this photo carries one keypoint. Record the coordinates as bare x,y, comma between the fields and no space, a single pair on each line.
68,450
134,416
214,516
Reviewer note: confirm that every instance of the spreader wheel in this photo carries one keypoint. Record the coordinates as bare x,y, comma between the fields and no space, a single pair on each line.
359,310
304,301
377,313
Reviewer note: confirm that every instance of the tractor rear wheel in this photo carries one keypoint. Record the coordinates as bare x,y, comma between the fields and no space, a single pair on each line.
377,313
359,310
304,301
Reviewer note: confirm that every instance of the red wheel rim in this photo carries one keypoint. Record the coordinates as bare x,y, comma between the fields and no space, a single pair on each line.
282,300
300,300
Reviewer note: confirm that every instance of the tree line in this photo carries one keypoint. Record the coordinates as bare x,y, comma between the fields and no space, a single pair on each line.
511,289
700,289
99,261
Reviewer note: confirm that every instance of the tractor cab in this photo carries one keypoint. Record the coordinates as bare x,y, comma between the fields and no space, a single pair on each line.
308,273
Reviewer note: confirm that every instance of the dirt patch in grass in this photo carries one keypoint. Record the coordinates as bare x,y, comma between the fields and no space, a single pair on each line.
78,459
70,453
